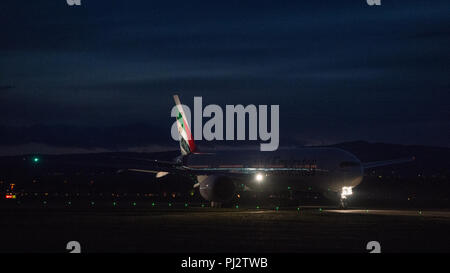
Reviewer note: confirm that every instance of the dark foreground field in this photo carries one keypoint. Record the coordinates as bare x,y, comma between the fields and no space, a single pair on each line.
179,229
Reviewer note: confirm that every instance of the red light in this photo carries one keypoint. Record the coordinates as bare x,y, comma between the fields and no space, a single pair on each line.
9,196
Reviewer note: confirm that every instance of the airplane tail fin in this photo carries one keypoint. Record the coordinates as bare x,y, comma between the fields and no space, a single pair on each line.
187,144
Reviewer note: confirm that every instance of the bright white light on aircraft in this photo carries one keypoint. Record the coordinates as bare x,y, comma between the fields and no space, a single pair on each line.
259,177
346,191
161,174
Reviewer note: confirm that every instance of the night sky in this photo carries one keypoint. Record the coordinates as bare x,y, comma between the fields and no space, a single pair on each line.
99,77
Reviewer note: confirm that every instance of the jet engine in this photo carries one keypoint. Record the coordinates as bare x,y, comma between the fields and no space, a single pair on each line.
216,188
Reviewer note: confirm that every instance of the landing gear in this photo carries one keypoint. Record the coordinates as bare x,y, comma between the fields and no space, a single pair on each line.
343,204
346,191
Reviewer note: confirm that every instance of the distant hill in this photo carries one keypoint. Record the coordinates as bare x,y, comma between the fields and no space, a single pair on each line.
428,160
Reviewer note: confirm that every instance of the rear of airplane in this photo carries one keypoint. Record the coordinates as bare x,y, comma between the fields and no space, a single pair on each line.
187,144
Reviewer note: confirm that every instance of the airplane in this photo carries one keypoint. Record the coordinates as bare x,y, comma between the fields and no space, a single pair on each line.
331,171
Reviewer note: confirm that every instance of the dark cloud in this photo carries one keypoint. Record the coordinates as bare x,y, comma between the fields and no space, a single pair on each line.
109,137
340,71
5,87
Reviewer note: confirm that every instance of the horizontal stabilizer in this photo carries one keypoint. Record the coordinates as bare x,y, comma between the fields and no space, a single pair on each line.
159,174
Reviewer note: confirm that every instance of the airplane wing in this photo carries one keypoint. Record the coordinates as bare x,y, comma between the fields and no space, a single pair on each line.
159,167
374,164
162,168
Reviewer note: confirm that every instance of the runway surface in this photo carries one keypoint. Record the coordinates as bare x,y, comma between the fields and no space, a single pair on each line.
237,230
395,212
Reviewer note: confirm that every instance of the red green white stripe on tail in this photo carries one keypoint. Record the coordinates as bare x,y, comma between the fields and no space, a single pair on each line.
187,144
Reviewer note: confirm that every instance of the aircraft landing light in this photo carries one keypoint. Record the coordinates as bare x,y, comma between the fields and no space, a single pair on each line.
259,177
346,191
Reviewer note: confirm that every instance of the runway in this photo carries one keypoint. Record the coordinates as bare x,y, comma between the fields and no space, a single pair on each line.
237,230
394,212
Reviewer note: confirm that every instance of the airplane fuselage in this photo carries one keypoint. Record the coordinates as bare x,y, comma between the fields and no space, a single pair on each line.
303,169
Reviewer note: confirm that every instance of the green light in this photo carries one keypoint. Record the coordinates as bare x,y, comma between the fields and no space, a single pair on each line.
277,208
92,203
320,209
420,212
289,187
114,203
70,203
153,204
237,206
170,204
298,209
257,207
35,159
134,203
203,205
185,204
